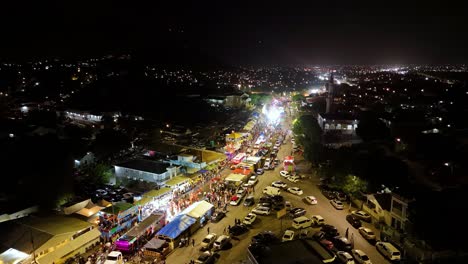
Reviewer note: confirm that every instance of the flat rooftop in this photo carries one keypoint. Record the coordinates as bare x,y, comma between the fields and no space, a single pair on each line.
145,165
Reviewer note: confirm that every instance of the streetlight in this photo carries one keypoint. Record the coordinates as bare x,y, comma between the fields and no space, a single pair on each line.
450,165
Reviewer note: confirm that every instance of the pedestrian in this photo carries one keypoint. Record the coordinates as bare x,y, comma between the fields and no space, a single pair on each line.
346,233
208,229
224,231
193,242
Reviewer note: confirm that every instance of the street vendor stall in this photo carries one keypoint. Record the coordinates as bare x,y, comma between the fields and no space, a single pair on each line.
157,248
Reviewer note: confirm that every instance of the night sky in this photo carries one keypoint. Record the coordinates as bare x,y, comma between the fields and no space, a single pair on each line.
271,32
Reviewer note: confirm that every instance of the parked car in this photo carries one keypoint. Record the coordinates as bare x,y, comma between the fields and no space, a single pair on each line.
288,205
354,221
367,234
221,242
295,190
388,250
310,200
249,201
266,199
265,237
238,230
252,181
321,237
217,216
337,204
296,212
364,216
318,220
360,256
345,257
301,222
249,219
260,210
208,242
342,243
260,171
293,179
287,236
284,173
341,196
330,231
235,200
114,257
279,184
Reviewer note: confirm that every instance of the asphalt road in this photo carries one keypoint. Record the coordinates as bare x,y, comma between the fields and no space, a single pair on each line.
237,253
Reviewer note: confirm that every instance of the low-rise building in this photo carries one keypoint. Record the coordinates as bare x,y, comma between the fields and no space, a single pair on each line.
337,123
146,170
51,239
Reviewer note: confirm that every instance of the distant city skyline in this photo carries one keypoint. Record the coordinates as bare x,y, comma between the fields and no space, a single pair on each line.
291,34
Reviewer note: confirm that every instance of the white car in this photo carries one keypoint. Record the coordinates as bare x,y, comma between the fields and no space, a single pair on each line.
252,180
360,256
249,219
367,233
114,257
240,192
337,204
279,184
208,241
288,235
311,199
295,190
293,178
284,173
345,257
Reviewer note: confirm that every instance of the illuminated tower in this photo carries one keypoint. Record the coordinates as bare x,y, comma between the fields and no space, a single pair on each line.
331,92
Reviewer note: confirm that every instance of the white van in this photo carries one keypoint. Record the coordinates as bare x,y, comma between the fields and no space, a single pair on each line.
270,190
388,250
318,220
114,257
301,222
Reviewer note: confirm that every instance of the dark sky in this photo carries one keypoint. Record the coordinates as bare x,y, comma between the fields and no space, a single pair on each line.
267,32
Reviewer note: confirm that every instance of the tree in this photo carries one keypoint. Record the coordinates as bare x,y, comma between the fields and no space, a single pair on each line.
260,99
298,97
354,185
310,138
99,174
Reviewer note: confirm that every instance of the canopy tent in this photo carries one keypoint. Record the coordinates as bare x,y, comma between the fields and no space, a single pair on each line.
198,209
178,225
155,244
141,228
235,177
242,171
177,180
157,193
12,256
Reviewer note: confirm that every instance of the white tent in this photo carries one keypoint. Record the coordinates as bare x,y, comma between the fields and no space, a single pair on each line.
235,177
200,209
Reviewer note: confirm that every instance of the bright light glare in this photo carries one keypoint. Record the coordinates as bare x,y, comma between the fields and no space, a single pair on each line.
273,114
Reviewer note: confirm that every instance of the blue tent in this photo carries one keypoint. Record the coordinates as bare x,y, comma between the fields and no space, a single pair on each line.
178,225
